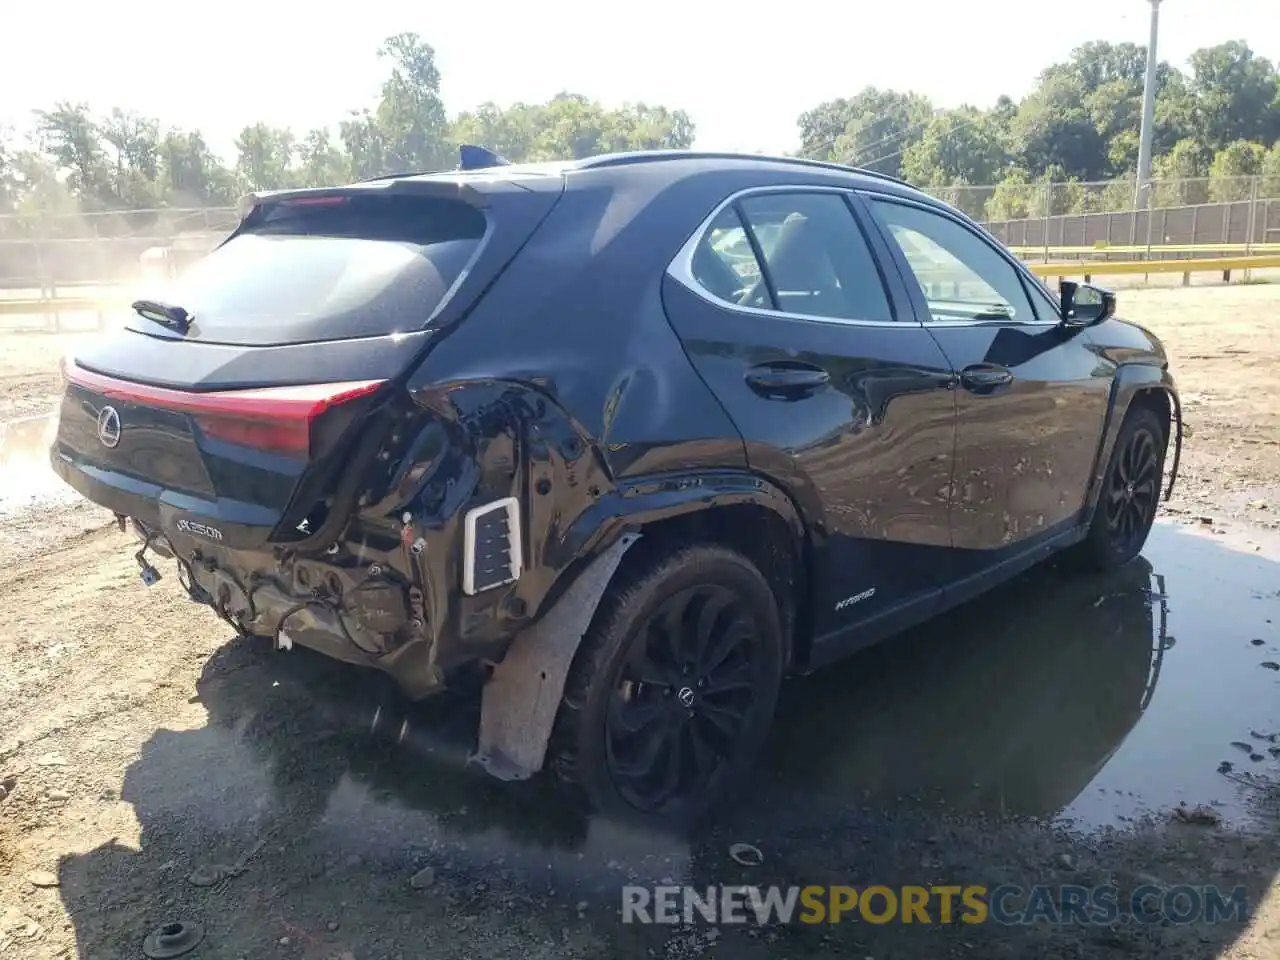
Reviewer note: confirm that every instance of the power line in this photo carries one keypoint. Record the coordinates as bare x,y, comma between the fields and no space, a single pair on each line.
899,135
902,133
959,126
830,144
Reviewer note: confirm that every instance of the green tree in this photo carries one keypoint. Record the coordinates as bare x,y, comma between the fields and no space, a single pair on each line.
8,171
1179,175
571,126
656,127
365,143
508,132
1233,169
264,157
874,128
1015,197
1108,197
190,175
957,146
1234,91
135,142
321,163
411,114
1269,169
1053,127
70,137
42,203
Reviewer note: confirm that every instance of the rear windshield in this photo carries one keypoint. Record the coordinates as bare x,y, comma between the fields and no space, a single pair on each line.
330,268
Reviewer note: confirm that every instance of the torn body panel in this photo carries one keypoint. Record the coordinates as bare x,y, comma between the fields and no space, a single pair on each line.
523,695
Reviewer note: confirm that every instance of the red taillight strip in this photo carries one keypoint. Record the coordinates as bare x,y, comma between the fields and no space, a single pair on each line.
291,403
326,201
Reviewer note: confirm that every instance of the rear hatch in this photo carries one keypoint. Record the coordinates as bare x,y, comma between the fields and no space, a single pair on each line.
238,402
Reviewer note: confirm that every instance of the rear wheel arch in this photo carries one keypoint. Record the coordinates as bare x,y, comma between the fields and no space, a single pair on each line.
775,545
735,509
648,523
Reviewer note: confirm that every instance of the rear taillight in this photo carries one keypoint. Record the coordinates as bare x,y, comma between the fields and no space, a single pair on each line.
276,419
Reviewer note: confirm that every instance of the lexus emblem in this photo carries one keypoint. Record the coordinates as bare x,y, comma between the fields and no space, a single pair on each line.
685,696
109,427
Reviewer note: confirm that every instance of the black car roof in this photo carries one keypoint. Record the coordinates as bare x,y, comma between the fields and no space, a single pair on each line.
675,165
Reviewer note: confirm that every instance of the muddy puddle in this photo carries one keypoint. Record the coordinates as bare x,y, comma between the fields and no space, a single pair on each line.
26,480
1090,701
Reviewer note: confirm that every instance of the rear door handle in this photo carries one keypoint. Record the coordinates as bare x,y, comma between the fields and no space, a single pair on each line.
985,378
787,381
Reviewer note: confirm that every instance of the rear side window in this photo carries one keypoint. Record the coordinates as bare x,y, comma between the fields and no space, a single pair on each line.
331,268
725,265
816,261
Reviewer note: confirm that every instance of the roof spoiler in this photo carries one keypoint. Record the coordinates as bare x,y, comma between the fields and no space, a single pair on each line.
472,157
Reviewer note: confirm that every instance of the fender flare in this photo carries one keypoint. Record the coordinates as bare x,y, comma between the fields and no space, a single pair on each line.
1132,380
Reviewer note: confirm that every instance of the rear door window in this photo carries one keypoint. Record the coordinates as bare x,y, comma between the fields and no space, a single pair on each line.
330,268
816,262
816,256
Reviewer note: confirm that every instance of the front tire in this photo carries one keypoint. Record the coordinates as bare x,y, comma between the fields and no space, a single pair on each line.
673,688
1130,492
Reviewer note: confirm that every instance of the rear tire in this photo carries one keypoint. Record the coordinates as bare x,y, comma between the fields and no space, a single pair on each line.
672,690
1130,493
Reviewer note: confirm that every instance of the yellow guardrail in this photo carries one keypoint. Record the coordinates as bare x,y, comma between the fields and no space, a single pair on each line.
1075,268
1155,248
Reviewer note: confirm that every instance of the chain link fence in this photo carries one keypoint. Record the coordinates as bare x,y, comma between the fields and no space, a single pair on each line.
1039,220
97,249
1174,218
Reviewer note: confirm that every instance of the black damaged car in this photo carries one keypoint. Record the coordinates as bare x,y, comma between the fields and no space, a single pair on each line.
622,441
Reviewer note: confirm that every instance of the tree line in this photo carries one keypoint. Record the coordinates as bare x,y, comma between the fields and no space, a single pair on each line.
1219,121
78,162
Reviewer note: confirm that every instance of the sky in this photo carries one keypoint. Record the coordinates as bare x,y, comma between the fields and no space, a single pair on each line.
743,70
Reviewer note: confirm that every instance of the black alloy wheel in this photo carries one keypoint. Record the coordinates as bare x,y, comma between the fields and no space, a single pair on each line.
1130,493
1133,492
673,688
683,696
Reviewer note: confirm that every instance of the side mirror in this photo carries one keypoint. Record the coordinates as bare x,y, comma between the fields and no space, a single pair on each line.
1083,305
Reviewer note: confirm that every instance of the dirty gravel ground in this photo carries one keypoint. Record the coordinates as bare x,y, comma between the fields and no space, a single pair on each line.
157,769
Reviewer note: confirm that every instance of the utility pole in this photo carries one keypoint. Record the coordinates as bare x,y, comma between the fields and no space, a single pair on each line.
1142,197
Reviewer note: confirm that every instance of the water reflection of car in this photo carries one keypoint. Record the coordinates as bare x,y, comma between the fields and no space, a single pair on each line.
1011,705
1012,708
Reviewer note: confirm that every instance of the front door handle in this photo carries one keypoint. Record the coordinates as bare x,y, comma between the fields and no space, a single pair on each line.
985,378
787,381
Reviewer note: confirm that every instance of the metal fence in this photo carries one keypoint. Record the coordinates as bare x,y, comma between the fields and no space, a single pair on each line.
100,248
1036,218
1184,216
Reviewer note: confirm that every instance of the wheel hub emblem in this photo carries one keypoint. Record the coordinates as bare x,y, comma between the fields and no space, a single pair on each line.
1128,489
108,427
685,696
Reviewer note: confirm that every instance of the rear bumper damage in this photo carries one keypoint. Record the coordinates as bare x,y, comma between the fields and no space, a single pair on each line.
418,579
425,556
351,605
